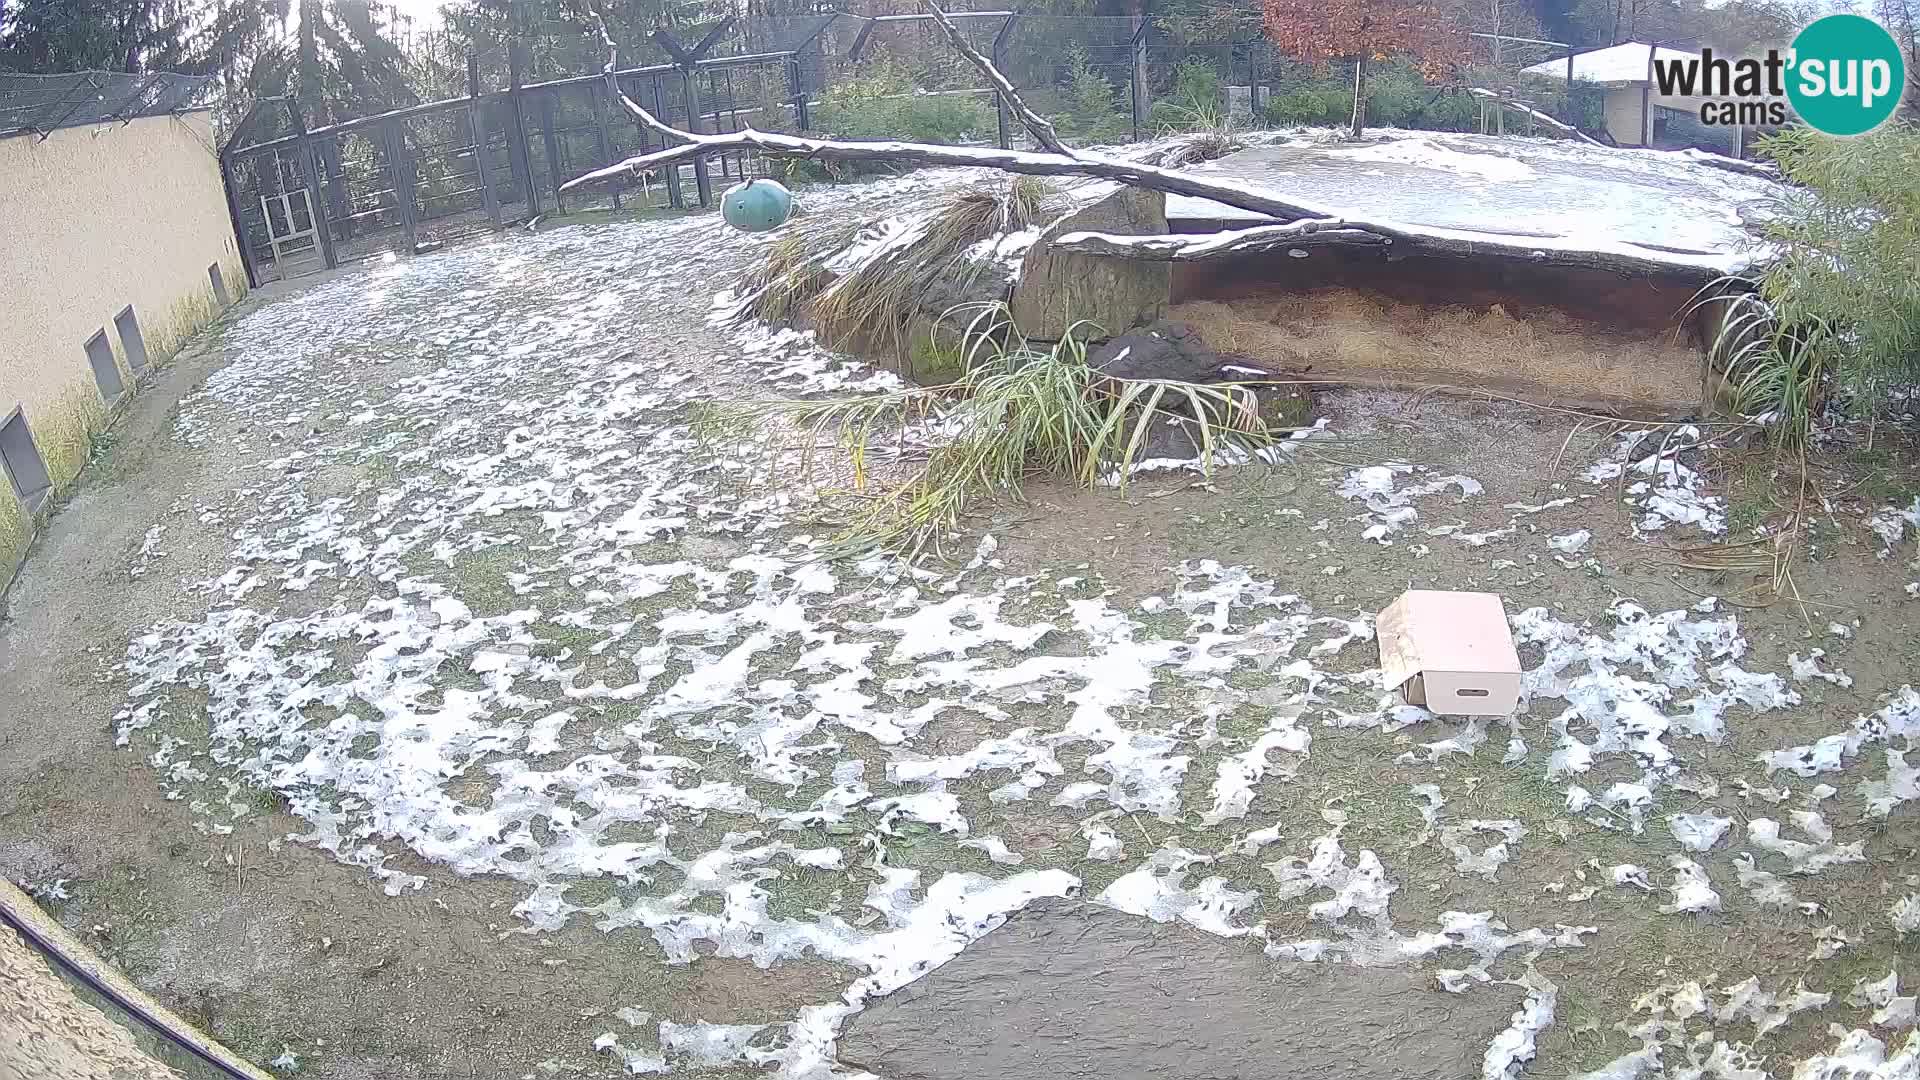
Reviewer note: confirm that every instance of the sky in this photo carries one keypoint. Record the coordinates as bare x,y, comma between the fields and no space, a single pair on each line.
424,13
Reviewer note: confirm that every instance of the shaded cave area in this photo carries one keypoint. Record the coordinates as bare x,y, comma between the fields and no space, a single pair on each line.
1589,339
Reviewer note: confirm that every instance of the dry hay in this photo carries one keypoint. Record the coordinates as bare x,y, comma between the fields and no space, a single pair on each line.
1548,355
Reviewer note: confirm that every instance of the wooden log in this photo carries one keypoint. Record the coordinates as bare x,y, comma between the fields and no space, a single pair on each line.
1193,247
1407,240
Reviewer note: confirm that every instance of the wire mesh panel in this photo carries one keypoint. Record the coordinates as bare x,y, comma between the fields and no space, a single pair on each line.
40,104
1076,70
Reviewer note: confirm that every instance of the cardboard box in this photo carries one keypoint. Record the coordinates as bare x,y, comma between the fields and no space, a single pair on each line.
1451,652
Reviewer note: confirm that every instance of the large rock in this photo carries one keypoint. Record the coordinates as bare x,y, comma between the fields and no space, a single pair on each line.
1057,289
1171,349
1165,349
1068,989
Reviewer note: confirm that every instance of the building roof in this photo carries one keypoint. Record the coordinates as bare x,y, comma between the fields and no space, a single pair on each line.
1617,65
44,103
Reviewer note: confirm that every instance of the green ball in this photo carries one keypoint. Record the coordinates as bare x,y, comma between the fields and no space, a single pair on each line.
757,205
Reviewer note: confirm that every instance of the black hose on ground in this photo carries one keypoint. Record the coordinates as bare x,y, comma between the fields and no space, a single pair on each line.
50,939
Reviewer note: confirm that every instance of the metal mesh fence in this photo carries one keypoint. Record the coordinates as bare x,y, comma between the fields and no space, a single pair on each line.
39,104
410,178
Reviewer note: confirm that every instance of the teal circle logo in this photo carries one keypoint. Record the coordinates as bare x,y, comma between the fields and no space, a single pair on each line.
1845,75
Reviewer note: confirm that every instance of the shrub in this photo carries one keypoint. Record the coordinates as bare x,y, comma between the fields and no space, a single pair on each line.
1090,110
1842,302
884,104
1397,96
1018,410
1310,106
1196,100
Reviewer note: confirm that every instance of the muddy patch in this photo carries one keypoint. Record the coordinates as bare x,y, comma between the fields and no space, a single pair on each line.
1070,989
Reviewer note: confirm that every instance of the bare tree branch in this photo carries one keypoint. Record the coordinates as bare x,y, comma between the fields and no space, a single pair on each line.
1041,128
1298,224
613,91
1565,129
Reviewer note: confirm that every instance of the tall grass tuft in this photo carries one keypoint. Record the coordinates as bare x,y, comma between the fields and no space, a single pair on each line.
1774,367
870,302
1018,410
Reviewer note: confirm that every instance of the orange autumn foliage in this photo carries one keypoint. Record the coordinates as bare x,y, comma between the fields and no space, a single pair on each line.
1430,32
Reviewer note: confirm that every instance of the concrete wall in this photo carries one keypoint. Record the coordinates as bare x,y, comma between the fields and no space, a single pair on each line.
93,219
1621,109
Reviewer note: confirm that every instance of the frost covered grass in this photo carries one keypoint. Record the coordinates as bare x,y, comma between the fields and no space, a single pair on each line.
1016,409
490,609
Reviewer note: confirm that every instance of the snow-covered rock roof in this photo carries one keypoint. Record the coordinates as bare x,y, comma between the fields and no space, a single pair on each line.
1560,194
1612,66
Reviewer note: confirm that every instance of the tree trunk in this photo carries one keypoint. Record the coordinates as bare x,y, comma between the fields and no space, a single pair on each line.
1359,94
133,34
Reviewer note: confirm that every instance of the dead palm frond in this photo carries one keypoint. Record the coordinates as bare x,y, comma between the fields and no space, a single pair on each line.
795,269
862,291
1017,410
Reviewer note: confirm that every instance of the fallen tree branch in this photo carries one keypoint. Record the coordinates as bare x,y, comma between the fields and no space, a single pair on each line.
1304,222
1038,125
1557,125
1763,169
1120,170
1404,240
1596,252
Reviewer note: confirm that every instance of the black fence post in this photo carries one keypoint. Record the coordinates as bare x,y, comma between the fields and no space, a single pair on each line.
1572,115
310,179
672,174
400,168
552,143
799,89
488,197
603,104
519,151
702,184
230,181
333,174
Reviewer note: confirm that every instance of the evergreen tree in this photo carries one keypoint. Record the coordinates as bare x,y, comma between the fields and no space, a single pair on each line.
46,36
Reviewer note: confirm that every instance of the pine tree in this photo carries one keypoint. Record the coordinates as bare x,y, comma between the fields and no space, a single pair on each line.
48,36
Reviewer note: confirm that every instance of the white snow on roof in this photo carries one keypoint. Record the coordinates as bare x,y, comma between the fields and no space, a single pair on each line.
1626,63
1556,194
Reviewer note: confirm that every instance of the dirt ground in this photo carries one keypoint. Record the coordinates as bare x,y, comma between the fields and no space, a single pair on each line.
505,425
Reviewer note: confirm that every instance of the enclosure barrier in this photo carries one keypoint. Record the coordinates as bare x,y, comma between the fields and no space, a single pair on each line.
307,198
157,1029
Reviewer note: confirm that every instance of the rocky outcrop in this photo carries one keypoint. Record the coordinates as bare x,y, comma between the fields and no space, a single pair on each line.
1057,289
1171,349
